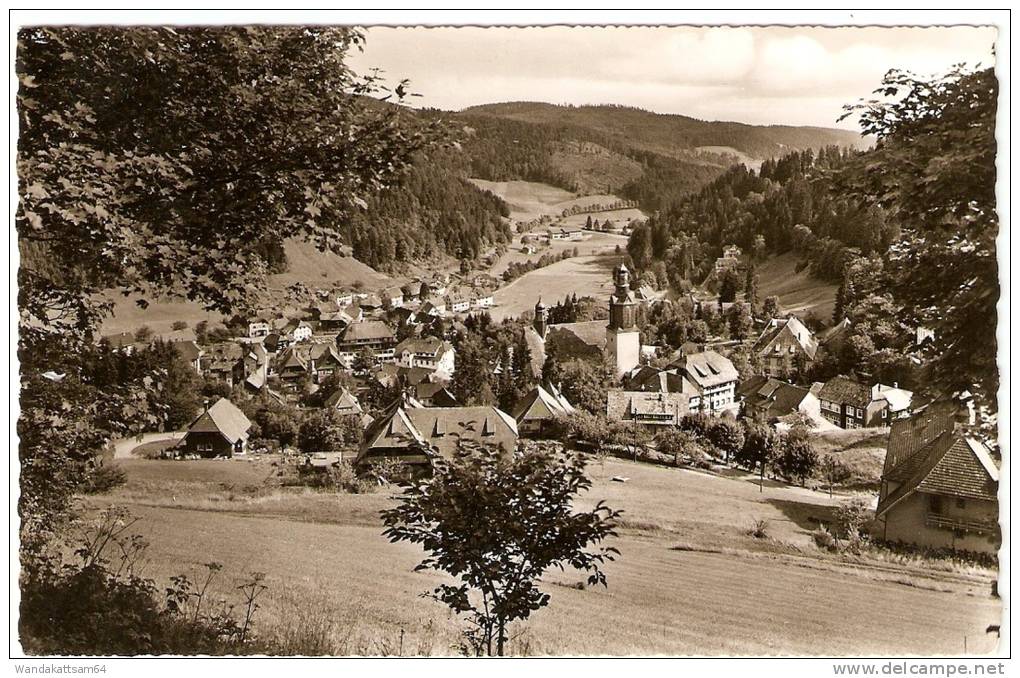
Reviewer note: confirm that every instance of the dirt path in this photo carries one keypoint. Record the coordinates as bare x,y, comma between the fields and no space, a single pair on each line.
122,448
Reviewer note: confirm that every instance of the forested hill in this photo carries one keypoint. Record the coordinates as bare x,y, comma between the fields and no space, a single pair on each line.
674,135
653,159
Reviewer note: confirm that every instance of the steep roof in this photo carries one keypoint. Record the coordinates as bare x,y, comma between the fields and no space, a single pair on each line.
952,465
343,399
423,346
898,399
224,418
436,392
541,403
791,329
592,332
437,428
647,378
707,369
623,405
367,330
909,436
188,350
835,332
846,391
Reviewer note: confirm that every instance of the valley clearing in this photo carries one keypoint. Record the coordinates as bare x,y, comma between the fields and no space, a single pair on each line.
690,580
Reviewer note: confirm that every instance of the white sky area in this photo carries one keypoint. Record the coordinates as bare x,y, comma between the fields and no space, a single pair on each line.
757,75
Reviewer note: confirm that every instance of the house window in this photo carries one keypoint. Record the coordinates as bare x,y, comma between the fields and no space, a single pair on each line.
961,503
935,504
848,409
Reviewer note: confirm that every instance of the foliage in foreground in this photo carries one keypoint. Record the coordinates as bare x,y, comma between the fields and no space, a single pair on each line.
497,523
99,604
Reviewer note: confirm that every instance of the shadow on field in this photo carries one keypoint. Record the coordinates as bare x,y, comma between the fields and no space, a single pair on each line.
805,515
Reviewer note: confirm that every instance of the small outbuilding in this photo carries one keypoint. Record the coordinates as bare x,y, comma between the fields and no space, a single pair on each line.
220,431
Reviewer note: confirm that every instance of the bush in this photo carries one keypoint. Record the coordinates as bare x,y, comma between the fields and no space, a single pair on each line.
759,529
824,539
850,517
104,478
94,606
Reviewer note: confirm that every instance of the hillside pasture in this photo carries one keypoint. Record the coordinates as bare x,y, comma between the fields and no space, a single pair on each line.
799,293
583,276
689,580
160,315
306,264
527,199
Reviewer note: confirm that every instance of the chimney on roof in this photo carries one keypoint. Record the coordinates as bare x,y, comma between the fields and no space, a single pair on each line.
206,404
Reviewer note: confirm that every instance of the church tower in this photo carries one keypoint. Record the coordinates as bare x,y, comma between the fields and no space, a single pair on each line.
541,318
623,342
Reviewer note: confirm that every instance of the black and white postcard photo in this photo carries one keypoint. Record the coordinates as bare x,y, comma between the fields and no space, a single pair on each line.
467,334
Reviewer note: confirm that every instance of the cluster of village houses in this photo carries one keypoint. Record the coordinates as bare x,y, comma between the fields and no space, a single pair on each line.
938,485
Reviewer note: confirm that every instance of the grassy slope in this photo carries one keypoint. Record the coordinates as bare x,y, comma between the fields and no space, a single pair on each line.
305,264
797,292
583,275
332,575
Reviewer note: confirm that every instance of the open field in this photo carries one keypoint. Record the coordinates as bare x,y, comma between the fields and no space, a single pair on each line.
689,580
529,200
584,275
592,244
127,316
798,292
305,263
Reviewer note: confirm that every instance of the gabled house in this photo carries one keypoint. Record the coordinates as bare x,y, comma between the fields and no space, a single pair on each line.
344,298
714,377
415,435
768,400
190,353
434,307
785,345
220,431
428,352
434,394
291,365
298,331
539,409
323,361
483,299
459,304
258,327
343,402
371,334
392,297
412,290
224,361
847,403
850,404
939,486
647,408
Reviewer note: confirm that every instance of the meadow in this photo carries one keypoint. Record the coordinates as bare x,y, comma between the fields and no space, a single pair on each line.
583,276
690,580
798,293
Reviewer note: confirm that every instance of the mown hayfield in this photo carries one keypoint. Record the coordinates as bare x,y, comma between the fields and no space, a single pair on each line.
527,199
591,245
584,276
160,315
798,292
689,580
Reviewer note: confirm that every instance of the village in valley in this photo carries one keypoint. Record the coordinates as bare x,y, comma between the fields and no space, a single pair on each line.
779,449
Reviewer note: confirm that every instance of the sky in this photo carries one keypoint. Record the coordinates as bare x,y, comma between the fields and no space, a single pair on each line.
757,75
